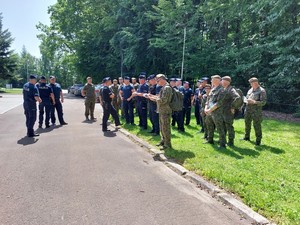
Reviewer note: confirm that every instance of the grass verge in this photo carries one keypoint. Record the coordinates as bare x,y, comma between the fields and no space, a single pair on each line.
16,91
266,177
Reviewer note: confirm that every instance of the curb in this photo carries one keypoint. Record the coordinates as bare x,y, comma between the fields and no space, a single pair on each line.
213,190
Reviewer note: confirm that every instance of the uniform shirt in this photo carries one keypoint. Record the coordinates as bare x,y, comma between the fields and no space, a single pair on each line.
143,88
45,91
89,90
227,99
199,91
213,96
203,102
115,90
158,88
30,91
106,93
127,91
188,93
164,99
259,95
56,90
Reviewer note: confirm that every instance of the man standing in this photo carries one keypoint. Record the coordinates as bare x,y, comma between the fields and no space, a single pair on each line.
30,97
142,102
256,99
120,106
108,109
187,102
88,91
46,93
115,89
205,118
197,103
126,95
211,109
163,106
59,99
154,117
177,117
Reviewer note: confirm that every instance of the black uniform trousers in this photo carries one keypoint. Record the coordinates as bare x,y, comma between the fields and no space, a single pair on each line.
44,107
186,111
30,113
142,112
128,111
108,110
198,116
58,107
177,117
154,118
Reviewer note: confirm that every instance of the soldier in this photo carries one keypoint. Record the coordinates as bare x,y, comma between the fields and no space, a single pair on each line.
205,117
30,97
228,107
177,117
46,93
134,83
154,117
88,91
211,110
120,106
108,109
256,99
115,89
59,99
142,102
126,95
163,106
197,102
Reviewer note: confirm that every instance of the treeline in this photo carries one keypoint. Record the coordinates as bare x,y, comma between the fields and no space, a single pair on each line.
124,37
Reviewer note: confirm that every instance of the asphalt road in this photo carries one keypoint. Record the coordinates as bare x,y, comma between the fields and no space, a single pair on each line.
77,175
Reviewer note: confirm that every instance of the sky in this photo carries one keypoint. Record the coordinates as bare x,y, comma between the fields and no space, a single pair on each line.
20,17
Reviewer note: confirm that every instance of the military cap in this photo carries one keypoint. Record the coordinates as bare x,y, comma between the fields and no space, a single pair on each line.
133,78
126,78
115,80
205,78
207,86
151,77
32,77
52,77
216,77
142,76
143,73
161,76
106,79
88,78
42,78
253,79
172,79
186,82
228,78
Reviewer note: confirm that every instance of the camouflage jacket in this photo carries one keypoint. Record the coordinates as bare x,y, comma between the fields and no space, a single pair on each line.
227,99
259,95
164,99
89,90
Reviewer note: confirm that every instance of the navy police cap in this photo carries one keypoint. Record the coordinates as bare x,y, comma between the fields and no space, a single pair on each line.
32,76
42,78
126,78
172,79
106,79
151,77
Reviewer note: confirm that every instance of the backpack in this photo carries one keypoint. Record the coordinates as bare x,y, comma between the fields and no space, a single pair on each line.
176,103
240,100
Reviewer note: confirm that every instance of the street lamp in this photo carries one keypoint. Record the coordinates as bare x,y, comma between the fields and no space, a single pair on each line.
183,51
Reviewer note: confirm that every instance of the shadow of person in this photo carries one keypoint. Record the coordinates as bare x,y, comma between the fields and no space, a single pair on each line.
245,151
27,141
46,130
180,155
228,152
269,148
110,134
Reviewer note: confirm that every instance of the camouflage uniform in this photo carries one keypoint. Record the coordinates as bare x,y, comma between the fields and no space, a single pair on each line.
89,90
215,119
165,112
203,115
254,112
115,90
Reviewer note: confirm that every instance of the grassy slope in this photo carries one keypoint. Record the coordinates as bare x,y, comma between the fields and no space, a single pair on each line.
266,177
11,91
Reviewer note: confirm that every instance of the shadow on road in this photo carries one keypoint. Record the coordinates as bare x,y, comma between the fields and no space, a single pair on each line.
111,133
27,141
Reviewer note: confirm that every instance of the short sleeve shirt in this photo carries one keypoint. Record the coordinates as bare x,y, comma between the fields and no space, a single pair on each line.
56,90
188,93
127,91
30,91
45,92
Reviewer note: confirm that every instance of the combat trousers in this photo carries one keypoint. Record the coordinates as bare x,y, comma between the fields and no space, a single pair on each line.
58,107
218,120
89,107
203,117
186,114
210,128
165,129
228,119
30,113
128,111
44,107
254,115
108,110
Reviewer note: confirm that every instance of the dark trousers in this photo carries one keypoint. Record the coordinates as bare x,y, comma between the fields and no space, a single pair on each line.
142,112
30,113
198,116
58,107
177,117
128,111
44,107
108,110
154,118
89,107
186,111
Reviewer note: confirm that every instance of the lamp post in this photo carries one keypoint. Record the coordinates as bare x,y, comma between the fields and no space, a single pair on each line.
183,51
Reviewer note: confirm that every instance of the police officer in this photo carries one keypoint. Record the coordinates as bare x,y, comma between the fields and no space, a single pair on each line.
59,98
177,117
141,101
46,94
126,95
108,109
187,102
256,99
30,97
88,91
197,103
205,118
154,117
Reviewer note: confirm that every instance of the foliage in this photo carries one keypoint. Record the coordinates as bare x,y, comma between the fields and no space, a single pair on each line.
265,177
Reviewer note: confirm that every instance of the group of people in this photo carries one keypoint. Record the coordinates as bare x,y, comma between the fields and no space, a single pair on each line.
50,99
215,104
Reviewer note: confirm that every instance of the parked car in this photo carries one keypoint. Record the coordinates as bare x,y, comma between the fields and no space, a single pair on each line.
97,91
77,91
74,88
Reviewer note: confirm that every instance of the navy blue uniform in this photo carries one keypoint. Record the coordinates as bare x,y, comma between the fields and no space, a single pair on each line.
177,117
153,114
108,109
142,105
58,106
45,106
197,103
29,93
187,105
128,105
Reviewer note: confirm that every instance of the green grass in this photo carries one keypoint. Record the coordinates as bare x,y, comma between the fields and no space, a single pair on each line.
266,177
16,91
